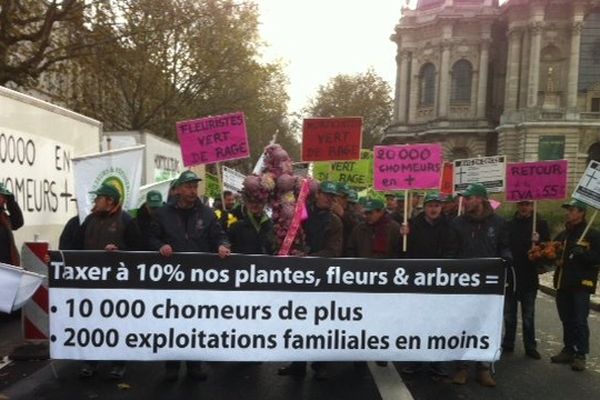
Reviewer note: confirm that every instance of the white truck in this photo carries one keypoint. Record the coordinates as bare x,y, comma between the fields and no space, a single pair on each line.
37,142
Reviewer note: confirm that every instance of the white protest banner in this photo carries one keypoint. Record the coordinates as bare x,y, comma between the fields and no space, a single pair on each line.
37,170
588,188
233,180
121,168
489,171
16,286
195,306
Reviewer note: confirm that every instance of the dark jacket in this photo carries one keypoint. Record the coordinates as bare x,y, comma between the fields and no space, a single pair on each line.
350,221
145,220
246,238
187,230
520,230
485,235
578,272
101,229
426,240
10,222
70,235
379,240
324,233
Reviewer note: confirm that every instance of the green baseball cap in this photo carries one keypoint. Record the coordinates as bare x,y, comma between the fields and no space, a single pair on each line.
575,203
343,189
4,191
154,199
449,198
187,176
353,196
109,191
475,189
328,187
373,204
433,196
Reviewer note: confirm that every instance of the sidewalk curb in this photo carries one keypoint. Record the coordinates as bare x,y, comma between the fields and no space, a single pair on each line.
594,305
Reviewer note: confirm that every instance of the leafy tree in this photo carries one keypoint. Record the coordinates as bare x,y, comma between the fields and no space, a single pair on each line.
28,43
366,95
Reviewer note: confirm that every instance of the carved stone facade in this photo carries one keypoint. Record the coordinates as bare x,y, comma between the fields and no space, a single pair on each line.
520,79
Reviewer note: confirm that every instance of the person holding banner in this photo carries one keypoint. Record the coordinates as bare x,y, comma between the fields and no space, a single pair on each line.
341,207
575,279
254,233
11,219
225,213
525,286
450,207
398,213
186,225
324,237
146,215
108,228
481,233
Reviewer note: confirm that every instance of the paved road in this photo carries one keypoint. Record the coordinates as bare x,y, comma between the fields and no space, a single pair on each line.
518,378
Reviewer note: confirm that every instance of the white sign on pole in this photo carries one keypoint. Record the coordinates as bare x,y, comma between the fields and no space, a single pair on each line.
488,171
588,188
121,168
37,170
233,180
16,286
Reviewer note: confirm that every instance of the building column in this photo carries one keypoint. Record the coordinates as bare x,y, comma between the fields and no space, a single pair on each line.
483,78
534,63
573,88
414,89
443,92
400,111
511,91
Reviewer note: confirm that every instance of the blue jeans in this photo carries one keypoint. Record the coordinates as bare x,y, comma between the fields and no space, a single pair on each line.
573,310
511,304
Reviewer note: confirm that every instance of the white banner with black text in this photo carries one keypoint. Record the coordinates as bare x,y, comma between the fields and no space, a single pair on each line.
195,306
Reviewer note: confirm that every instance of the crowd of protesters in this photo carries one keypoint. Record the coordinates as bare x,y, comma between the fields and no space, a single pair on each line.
339,224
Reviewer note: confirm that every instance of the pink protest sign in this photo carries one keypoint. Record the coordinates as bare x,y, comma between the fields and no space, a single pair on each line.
408,167
213,139
543,180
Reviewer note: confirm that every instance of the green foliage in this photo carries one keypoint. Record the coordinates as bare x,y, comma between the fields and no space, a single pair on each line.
361,95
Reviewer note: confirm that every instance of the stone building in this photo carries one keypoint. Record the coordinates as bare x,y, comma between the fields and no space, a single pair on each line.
520,78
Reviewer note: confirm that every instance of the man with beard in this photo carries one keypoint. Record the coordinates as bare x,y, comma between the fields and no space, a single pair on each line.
525,286
481,234
108,228
575,279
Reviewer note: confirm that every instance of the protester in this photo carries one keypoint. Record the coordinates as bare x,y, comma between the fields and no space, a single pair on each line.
324,237
341,207
390,202
70,234
575,278
415,204
11,219
187,225
524,288
253,234
398,213
481,233
430,236
450,207
108,228
378,236
145,216
225,214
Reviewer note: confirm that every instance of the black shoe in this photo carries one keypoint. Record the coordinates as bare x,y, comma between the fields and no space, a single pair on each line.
117,372
292,370
196,374
533,353
382,364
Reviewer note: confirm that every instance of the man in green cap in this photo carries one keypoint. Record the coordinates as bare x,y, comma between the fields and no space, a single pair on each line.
341,207
481,234
323,231
108,228
11,219
185,224
397,213
378,236
575,279
145,216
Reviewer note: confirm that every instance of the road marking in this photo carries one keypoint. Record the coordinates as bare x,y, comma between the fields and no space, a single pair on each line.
4,362
389,382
